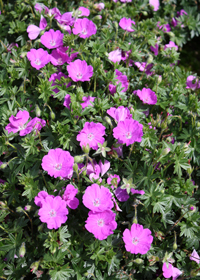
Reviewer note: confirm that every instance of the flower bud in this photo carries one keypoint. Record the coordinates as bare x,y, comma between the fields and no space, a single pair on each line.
108,120
75,167
165,151
40,228
171,34
159,79
164,124
28,208
135,221
22,250
2,204
37,111
3,166
145,13
175,246
24,54
150,59
138,261
98,17
19,209
190,170
192,208
86,149
34,266
52,115
78,159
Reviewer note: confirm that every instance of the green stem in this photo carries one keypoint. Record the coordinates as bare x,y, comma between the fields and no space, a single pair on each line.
131,149
3,229
177,222
8,143
29,220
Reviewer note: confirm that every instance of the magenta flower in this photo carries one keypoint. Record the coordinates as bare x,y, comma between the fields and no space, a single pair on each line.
101,224
35,124
84,12
40,198
119,114
137,191
80,71
34,31
170,46
99,6
97,198
119,149
192,82
18,123
39,7
181,12
67,101
137,240
120,78
147,96
195,257
87,101
170,271
57,76
38,58
52,39
126,24
115,56
69,196
84,27
128,132
91,134
95,170
121,194
164,27
143,66
55,13
59,56
66,19
12,45
58,163
155,4
53,212
155,49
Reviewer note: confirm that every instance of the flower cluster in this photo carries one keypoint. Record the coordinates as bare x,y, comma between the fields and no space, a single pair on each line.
101,220
20,123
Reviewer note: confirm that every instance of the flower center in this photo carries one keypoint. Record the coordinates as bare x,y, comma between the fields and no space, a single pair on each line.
37,61
84,31
128,135
59,61
52,42
146,99
79,75
135,240
21,126
58,166
90,136
52,213
96,202
100,222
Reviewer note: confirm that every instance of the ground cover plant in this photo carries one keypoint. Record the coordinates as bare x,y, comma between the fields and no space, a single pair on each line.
99,146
